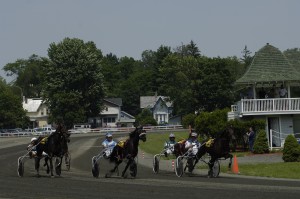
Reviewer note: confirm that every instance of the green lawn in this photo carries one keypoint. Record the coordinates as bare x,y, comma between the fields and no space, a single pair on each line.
155,143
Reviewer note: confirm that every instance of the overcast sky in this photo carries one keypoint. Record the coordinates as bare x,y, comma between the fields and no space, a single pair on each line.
128,27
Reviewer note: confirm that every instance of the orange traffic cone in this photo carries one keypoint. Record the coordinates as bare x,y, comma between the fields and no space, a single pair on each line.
235,167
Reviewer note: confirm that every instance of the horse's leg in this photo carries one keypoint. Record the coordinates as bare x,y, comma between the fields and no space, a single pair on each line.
230,161
37,165
126,167
46,164
51,166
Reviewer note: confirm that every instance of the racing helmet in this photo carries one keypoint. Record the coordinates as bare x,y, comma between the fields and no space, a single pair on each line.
108,135
194,135
33,139
171,135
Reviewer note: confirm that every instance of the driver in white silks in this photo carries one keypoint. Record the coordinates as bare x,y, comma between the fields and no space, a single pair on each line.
32,148
169,145
192,144
108,145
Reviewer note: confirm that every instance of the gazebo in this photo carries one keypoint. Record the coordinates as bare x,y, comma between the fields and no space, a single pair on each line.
270,70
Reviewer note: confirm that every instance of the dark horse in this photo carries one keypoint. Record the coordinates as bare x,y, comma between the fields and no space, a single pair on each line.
127,150
55,146
216,148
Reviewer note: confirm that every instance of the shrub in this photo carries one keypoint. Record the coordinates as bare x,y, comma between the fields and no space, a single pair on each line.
291,149
261,143
188,119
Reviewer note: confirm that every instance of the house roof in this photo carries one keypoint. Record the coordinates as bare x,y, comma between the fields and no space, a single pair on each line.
32,105
269,65
116,101
150,101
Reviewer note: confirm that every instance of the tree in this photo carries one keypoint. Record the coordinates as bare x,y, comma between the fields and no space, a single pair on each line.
261,143
246,56
293,55
291,149
12,114
73,87
190,49
28,74
145,117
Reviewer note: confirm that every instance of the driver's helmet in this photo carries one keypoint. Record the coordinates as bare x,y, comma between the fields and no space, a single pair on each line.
108,135
171,135
33,139
194,135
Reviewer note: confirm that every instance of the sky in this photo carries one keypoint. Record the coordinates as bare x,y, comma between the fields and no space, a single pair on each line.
129,27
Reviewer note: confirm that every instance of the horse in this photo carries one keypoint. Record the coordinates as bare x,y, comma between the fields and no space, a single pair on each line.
55,146
216,148
127,150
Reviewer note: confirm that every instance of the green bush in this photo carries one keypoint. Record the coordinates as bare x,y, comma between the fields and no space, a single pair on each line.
188,119
261,143
291,149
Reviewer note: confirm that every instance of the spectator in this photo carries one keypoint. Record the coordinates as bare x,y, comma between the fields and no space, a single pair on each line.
251,138
282,92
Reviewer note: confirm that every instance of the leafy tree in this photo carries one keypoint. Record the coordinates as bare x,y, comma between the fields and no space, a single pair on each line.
215,85
190,49
180,77
28,74
261,143
145,117
73,86
293,55
210,123
189,119
12,114
291,149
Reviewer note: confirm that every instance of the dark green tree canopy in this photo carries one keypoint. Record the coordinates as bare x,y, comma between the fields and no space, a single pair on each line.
73,82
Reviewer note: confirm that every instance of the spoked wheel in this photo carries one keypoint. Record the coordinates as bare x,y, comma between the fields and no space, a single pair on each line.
133,169
57,167
179,166
216,169
20,168
68,161
155,164
95,167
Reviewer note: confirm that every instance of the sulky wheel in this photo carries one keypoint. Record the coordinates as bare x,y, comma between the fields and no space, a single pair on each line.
179,166
216,169
155,164
95,168
20,168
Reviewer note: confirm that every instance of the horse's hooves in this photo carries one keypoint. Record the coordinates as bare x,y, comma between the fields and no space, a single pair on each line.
125,175
52,176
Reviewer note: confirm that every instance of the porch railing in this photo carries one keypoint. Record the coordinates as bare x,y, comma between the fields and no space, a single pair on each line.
268,105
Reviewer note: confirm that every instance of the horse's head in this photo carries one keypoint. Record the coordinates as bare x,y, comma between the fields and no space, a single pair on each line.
143,135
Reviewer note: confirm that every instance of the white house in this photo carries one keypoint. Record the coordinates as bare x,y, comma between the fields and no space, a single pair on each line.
160,106
37,112
112,115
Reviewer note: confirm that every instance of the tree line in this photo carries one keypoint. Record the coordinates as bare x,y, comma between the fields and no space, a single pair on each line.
75,78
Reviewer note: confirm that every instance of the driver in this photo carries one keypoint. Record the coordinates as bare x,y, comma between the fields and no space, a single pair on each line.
192,144
108,145
32,148
169,145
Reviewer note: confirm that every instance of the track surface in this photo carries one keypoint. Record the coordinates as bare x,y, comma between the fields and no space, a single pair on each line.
79,183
